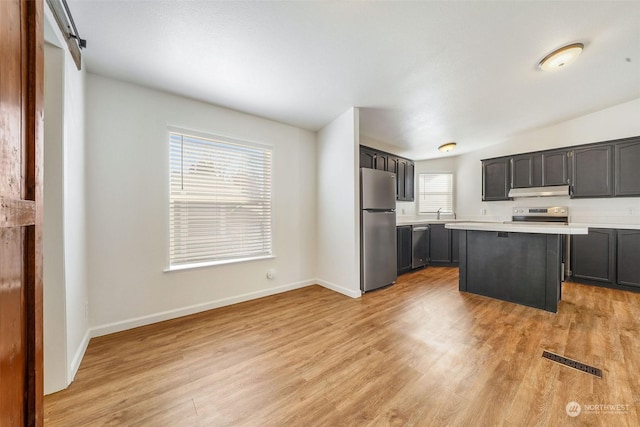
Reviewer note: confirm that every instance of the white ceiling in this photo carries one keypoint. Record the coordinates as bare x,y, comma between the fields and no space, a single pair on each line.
423,73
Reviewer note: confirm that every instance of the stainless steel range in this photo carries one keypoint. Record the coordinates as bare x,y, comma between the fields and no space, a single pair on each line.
555,214
552,214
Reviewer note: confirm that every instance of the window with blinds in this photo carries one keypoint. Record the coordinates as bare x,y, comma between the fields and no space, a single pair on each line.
219,200
435,192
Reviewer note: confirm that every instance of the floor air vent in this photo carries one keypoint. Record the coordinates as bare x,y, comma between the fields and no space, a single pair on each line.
573,364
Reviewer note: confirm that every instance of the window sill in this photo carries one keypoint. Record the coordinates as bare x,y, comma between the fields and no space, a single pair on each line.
215,263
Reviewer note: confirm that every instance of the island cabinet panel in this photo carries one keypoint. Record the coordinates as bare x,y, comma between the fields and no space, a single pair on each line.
496,179
523,268
555,167
593,255
403,237
628,255
627,168
592,171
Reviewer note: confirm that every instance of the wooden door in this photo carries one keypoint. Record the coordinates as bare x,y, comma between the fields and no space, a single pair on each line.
21,119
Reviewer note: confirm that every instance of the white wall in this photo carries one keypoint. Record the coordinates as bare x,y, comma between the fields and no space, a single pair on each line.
338,221
620,121
54,293
66,323
75,231
368,141
127,186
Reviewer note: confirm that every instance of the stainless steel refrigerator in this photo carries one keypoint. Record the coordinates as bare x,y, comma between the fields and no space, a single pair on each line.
378,253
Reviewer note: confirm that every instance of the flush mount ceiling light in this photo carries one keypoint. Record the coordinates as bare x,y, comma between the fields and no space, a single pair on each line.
447,147
561,57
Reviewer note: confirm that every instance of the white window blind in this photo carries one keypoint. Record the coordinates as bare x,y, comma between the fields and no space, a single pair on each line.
220,200
435,192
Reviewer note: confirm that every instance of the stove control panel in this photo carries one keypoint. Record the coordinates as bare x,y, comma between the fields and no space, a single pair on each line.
562,211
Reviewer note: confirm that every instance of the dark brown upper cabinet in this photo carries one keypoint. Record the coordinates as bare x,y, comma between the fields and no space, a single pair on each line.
496,179
404,180
526,170
403,168
555,167
409,180
392,164
381,161
367,158
627,168
592,171
601,169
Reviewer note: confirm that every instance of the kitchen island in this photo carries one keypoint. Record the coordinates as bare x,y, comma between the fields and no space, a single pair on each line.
519,263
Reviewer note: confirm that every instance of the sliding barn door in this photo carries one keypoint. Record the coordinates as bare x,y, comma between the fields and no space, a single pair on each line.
21,68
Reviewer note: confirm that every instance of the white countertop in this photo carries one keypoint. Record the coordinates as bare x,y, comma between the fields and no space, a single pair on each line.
579,225
427,221
524,227
597,225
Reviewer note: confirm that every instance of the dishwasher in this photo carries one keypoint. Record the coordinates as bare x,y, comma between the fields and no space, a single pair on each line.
419,246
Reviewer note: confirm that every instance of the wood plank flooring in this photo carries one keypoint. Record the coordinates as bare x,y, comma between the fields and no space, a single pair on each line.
418,353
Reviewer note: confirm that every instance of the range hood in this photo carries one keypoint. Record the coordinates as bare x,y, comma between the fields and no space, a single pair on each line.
557,190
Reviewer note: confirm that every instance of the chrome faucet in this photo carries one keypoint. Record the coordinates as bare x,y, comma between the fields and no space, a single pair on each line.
438,213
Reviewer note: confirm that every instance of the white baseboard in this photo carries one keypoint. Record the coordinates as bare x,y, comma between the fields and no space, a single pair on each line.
197,308
77,357
185,311
340,289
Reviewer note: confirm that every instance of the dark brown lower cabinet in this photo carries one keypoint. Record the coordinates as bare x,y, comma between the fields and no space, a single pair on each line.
403,237
426,244
608,257
440,244
455,246
628,255
593,255
444,245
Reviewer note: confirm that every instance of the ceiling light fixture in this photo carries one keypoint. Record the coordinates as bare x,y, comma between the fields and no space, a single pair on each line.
447,147
561,57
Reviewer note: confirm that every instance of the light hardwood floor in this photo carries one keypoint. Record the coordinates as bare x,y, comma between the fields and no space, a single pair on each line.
417,353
